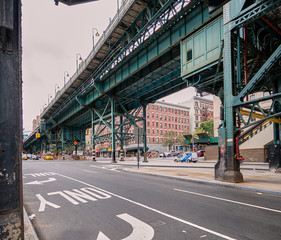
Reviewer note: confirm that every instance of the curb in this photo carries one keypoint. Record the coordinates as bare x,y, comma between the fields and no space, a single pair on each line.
29,232
221,184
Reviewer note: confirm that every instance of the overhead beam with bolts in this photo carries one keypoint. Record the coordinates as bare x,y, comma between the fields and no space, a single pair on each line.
72,2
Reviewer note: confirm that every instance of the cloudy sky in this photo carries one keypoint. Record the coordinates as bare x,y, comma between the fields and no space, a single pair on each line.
52,36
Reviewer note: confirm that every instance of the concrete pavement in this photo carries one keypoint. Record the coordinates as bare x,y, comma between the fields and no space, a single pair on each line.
256,175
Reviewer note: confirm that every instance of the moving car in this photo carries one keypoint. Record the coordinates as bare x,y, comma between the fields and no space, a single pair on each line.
48,156
187,157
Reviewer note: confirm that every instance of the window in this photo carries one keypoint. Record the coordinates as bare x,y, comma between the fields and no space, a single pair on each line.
172,126
156,124
169,125
152,106
165,125
153,139
161,132
175,111
157,132
196,111
196,118
148,131
152,124
252,97
181,120
179,127
176,126
197,125
165,117
147,115
156,108
156,115
160,109
189,55
196,104
157,139
161,140
152,115
160,124
148,139
175,119
160,117
266,94
169,118
152,131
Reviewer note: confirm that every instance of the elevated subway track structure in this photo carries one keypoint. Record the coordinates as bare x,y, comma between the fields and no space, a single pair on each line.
154,48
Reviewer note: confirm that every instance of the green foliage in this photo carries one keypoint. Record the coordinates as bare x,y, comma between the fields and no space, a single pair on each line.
171,138
206,127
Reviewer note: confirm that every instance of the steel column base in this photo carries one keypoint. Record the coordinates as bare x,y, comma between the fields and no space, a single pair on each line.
145,157
113,157
233,176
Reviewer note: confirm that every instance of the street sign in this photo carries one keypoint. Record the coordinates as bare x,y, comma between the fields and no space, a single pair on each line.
75,143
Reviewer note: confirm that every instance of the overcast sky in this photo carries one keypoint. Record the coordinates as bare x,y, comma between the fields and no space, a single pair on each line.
52,36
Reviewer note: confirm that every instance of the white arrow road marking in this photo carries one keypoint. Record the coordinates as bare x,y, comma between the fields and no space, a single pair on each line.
41,182
101,236
141,230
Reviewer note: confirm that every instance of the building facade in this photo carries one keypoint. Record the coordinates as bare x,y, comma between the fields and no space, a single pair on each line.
35,123
201,110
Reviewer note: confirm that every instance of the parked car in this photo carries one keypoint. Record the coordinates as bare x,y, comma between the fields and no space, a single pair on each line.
35,157
23,157
172,153
200,153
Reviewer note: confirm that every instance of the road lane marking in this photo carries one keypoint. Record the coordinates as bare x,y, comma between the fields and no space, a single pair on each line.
44,202
141,230
227,200
153,209
110,169
41,182
89,171
40,174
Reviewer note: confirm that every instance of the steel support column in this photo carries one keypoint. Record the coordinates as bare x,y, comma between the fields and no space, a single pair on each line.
11,204
228,168
144,134
121,140
93,135
113,131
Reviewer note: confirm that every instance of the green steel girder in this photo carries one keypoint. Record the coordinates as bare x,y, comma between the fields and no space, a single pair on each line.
149,56
253,12
259,76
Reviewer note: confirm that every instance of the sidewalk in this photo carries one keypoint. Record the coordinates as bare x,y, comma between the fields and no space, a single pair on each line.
256,175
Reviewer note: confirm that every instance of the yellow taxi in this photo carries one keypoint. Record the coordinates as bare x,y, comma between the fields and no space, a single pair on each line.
24,157
48,156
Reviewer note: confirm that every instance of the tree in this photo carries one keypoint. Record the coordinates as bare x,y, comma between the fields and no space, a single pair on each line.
206,127
181,139
170,139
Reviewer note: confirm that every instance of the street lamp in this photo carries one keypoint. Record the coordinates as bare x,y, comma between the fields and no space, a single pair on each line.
93,35
49,95
57,87
80,58
67,75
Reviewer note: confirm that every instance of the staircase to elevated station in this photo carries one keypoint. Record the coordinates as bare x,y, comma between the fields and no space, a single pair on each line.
253,142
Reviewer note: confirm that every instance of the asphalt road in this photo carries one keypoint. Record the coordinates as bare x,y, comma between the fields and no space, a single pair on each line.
86,200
